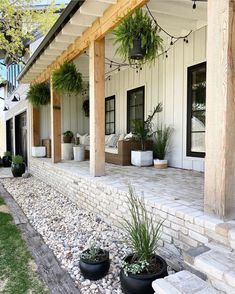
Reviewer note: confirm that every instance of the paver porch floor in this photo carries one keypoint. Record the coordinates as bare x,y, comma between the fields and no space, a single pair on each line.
176,185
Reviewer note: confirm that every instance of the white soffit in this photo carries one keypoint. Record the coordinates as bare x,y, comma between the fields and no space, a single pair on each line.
80,21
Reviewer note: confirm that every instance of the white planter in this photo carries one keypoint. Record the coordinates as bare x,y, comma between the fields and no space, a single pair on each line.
67,151
38,151
79,153
160,163
142,158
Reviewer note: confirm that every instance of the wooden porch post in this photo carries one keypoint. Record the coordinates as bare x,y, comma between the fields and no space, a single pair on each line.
97,104
35,126
220,110
55,126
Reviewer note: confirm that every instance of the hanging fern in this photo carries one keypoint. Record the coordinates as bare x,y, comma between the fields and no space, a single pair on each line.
39,94
67,79
140,26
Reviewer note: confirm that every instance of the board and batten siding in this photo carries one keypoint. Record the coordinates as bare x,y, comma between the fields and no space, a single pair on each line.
165,81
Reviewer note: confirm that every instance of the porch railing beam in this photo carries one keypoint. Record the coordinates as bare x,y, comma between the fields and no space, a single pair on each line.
220,110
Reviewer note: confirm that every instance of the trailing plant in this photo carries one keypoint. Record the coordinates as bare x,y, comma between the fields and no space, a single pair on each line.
142,231
17,159
138,26
143,129
163,135
134,268
68,134
93,254
67,79
39,94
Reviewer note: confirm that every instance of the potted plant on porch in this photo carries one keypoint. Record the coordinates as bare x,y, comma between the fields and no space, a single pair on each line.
143,266
94,263
143,132
39,94
67,137
160,147
6,159
17,166
138,38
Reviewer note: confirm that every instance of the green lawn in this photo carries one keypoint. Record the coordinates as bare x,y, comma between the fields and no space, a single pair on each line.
16,271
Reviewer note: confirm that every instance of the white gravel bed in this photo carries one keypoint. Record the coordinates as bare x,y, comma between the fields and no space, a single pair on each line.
68,230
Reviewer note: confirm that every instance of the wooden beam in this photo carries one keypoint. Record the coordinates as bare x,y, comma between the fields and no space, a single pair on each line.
101,26
35,126
55,126
97,105
220,110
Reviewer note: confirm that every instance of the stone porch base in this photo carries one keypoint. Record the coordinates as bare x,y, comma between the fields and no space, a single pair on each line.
184,227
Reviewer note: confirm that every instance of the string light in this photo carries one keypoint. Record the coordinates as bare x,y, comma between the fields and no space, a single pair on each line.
116,66
194,4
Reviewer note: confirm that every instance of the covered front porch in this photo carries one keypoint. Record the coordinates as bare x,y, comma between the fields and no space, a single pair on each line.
170,88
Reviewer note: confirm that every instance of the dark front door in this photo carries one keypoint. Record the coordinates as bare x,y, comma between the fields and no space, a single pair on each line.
9,125
21,135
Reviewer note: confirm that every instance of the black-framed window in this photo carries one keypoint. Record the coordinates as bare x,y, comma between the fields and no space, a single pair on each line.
196,110
12,73
135,106
110,115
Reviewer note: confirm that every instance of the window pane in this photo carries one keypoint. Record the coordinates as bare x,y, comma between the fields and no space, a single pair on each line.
135,104
196,110
198,121
110,115
198,142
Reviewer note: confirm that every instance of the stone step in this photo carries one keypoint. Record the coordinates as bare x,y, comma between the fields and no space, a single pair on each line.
183,282
217,264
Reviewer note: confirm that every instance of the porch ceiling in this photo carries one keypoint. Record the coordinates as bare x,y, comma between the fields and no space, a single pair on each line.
176,16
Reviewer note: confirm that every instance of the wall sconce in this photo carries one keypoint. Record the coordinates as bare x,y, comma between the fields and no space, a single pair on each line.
6,108
16,98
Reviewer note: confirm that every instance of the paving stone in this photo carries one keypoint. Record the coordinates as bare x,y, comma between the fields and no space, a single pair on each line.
182,282
189,255
215,264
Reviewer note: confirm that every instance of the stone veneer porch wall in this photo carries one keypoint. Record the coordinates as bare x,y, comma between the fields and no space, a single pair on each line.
183,227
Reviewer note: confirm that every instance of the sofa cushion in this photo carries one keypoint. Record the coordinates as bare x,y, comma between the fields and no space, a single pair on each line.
128,136
82,139
112,150
112,142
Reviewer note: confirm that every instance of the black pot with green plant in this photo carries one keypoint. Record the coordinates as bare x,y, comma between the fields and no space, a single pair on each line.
67,137
86,107
6,159
67,79
138,38
17,166
39,94
143,266
143,130
94,263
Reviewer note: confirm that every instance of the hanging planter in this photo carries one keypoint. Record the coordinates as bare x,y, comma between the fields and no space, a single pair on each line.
137,52
138,38
86,107
67,79
39,94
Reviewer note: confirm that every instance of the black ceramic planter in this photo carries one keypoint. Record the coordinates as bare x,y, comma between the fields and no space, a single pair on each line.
137,52
141,284
95,270
6,161
18,169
